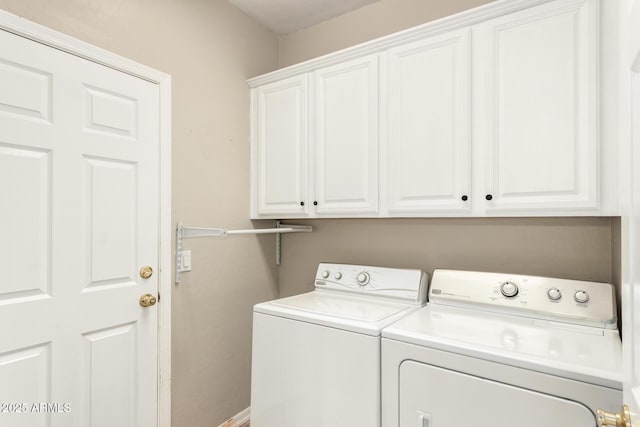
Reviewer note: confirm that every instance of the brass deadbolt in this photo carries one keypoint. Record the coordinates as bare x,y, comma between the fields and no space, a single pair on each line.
146,272
608,419
147,300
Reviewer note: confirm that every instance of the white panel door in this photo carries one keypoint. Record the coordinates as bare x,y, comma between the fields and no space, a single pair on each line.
346,138
427,146
631,218
537,85
79,181
280,147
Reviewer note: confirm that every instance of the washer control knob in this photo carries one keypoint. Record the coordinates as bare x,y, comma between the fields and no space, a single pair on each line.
362,278
338,276
581,296
325,274
554,294
509,289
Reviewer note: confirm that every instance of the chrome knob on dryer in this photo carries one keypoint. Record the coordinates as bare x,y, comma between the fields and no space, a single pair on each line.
554,294
363,278
509,289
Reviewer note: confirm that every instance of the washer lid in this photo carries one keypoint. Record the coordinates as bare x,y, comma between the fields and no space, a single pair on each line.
587,354
356,314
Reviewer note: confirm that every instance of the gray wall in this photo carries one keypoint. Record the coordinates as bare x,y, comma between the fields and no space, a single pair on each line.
369,22
572,248
210,49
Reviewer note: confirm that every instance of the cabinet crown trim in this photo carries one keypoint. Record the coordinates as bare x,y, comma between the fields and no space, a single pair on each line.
432,28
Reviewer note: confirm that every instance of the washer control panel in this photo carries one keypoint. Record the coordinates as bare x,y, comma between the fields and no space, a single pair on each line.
573,301
397,283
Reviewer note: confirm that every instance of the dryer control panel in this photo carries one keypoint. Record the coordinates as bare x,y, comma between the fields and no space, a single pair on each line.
571,301
403,284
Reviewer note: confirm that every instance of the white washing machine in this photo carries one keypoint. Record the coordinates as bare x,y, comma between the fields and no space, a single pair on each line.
503,350
316,356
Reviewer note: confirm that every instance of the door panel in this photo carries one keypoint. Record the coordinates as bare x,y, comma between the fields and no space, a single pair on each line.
25,91
346,137
26,266
428,144
111,235
433,396
281,147
79,156
110,376
28,370
538,90
111,113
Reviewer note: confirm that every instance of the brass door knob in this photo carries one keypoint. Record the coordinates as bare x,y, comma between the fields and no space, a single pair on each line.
147,300
608,419
146,272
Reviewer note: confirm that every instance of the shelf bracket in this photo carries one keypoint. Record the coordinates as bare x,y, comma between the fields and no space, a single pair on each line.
183,232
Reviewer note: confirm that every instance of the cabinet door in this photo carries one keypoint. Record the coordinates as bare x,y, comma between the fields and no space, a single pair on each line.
426,146
279,148
537,86
346,138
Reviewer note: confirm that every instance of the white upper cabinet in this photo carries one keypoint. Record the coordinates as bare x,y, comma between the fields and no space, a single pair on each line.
537,107
426,146
508,109
279,149
345,138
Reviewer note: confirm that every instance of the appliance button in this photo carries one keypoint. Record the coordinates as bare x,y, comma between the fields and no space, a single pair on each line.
581,296
325,274
554,294
338,276
509,289
362,278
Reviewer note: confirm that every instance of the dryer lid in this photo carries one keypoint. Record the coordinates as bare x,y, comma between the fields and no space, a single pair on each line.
582,353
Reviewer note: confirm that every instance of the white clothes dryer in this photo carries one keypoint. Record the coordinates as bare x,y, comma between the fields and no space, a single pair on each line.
503,350
316,356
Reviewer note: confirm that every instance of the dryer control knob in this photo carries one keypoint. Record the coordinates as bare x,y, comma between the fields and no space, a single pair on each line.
363,278
325,274
509,289
338,276
554,294
581,296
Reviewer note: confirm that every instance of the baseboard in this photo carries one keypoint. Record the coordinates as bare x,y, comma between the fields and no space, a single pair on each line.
239,420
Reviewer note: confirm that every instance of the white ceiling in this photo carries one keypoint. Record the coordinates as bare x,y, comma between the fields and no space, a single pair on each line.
288,16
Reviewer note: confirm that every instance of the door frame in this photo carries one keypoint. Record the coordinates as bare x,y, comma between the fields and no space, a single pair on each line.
41,34
630,272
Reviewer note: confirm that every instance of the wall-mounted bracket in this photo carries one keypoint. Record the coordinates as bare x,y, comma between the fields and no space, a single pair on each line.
183,232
